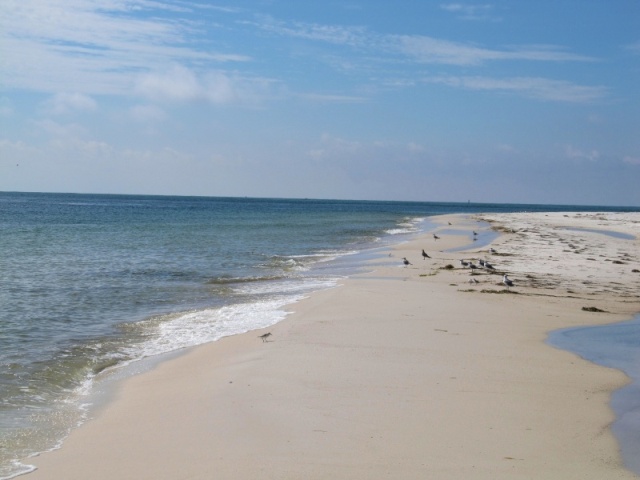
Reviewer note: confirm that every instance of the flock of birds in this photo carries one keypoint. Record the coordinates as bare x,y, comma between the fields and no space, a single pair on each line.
482,263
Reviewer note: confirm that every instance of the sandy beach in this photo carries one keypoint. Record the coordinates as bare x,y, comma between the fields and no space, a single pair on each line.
406,372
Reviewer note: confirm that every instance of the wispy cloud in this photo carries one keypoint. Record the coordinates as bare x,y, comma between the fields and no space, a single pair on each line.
328,98
425,49
180,83
471,12
419,48
336,34
579,154
634,47
98,46
63,103
147,113
533,87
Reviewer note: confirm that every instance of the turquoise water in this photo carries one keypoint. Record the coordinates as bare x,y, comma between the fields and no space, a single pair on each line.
90,283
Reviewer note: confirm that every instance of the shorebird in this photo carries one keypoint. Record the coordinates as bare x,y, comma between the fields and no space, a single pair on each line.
464,264
424,254
264,336
489,266
481,262
475,233
493,250
436,237
473,266
406,262
508,283
473,280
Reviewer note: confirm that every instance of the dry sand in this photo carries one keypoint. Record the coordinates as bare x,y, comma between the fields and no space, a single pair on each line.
404,373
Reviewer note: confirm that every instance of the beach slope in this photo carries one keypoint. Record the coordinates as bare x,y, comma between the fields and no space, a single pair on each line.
408,372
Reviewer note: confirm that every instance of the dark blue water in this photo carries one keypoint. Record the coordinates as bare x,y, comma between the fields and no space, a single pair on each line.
89,283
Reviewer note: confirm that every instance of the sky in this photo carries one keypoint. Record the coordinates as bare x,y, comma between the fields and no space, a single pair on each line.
508,101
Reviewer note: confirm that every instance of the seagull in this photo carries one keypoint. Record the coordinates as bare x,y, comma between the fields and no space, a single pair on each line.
493,250
475,233
424,254
406,262
464,264
508,283
481,262
435,237
473,280
473,266
489,266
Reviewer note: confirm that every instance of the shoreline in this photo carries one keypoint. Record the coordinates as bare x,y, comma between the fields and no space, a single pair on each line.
363,381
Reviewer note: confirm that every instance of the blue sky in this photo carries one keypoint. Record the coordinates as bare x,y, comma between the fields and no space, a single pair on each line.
497,101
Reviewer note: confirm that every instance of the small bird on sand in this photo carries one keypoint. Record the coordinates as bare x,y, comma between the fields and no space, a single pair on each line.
424,254
473,280
493,250
406,262
464,264
436,237
508,283
264,336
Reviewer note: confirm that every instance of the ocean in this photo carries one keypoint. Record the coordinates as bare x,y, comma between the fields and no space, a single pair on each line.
92,285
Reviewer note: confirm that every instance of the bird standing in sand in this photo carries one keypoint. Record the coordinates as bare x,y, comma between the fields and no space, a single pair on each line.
425,254
507,281
406,262
264,336
436,237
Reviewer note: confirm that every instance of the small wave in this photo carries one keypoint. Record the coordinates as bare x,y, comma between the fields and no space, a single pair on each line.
296,287
178,331
286,264
407,225
229,280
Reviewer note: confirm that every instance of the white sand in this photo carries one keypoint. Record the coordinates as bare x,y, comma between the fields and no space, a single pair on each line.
406,373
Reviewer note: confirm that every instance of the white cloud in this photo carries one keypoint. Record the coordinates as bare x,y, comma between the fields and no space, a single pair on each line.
63,103
506,148
98,46
534,87
328,98
631,160
470,12
634,47
577,154
147,113
180,83
426,49
420,48
336,34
